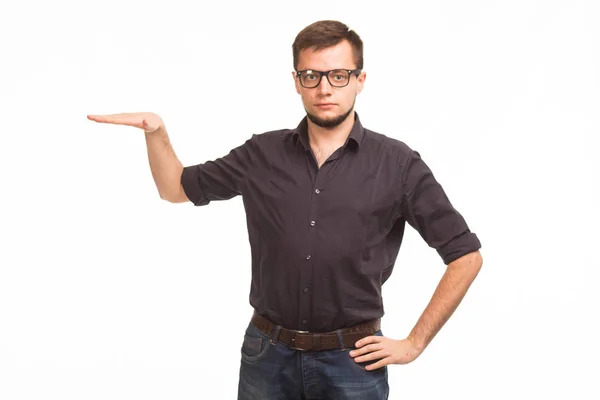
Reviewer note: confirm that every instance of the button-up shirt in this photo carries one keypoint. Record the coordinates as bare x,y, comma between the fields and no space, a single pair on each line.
324,240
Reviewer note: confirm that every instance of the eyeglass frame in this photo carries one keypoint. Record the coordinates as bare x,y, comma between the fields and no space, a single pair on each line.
350,72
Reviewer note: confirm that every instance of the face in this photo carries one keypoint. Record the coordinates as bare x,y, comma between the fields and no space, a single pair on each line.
325,105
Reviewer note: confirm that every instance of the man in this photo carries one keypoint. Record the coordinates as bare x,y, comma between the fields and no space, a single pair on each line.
326,207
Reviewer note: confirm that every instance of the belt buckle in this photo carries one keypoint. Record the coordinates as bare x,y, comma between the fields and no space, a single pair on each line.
294,340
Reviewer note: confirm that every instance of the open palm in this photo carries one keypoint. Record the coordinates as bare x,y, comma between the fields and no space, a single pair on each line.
147,121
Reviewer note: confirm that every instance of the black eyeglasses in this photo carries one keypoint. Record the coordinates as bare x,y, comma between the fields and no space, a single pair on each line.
310,78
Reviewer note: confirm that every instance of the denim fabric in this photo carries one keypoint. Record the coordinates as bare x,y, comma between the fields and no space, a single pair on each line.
271,371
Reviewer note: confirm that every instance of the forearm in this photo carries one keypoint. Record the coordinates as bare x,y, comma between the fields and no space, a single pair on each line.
449,293
165,166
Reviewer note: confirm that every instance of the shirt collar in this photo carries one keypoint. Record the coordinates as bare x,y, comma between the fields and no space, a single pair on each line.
356,134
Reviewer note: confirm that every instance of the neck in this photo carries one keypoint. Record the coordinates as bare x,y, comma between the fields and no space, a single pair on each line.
330,137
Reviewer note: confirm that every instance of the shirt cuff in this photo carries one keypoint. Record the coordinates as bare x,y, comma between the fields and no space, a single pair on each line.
191,185
465,243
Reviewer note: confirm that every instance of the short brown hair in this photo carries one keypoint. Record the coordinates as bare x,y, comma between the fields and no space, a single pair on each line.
322,34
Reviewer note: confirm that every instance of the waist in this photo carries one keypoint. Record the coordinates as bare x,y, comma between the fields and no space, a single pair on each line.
304,340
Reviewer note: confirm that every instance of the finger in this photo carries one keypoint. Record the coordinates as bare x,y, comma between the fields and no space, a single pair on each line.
119,116
103,118
114,118
379,364
376,355
366,349
119,119
369,339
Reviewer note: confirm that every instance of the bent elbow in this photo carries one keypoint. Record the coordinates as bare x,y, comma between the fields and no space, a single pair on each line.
176,197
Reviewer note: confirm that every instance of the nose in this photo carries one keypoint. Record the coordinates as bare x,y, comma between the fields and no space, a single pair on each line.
324,86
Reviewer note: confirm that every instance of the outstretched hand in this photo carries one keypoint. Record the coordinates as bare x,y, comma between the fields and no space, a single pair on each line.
386,350
147,121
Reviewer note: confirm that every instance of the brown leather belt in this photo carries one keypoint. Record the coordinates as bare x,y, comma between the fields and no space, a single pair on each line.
302,340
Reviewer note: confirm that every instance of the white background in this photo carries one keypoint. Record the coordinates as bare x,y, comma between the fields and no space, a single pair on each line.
109,292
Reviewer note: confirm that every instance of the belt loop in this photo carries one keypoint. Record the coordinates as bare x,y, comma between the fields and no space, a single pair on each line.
341,340
275,334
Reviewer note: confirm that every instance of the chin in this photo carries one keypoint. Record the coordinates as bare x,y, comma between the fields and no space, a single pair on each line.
326,114
328,118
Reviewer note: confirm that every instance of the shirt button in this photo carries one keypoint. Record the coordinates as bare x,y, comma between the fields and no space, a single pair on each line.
308,257
317,191
305,290
312,223
304,321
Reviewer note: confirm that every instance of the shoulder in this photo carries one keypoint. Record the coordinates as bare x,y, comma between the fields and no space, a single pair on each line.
267,145
387,146
272,137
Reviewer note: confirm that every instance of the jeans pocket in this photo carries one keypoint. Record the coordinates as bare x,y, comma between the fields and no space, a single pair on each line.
362,365
254,347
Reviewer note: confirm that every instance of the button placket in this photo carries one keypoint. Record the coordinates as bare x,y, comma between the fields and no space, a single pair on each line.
307,277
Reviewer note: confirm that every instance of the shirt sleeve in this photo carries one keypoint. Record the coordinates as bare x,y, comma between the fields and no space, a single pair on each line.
219,179
426,207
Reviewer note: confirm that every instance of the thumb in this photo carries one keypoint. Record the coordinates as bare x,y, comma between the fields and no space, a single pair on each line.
146,126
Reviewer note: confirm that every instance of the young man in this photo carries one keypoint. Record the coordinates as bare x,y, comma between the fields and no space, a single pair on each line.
326,207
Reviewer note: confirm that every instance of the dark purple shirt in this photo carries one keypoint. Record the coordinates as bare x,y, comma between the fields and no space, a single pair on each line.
324,240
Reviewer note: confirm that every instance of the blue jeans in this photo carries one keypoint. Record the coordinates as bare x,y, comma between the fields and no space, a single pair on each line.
271,371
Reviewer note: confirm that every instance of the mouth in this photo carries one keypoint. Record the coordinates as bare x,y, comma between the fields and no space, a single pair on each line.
325,105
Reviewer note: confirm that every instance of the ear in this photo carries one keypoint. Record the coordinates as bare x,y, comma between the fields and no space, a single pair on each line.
360,81
296,82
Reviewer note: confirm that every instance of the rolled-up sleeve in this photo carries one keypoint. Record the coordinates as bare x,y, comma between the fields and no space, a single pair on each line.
219,179
426,207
